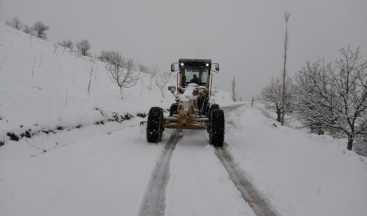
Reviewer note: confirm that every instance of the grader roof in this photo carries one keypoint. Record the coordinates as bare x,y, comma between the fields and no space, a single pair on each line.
195,61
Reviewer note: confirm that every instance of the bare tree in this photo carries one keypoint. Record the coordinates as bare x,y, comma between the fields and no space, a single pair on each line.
66,44
83,47
336,95
285,55
120,69
40,29
162,81
272,95
15,23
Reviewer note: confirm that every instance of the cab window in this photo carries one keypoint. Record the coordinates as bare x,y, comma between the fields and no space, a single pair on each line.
195,74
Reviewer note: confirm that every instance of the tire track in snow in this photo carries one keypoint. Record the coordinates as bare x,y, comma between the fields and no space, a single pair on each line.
154,201
254,199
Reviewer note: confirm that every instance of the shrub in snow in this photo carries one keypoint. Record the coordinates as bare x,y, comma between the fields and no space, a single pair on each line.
28,30
39,29
67,44
15,23
83,47
13,136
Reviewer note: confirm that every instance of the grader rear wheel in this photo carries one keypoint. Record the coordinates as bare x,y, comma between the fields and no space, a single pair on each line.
216,132
211,108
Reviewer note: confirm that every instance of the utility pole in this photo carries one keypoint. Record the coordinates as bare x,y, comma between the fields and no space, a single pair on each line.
234,96
284,75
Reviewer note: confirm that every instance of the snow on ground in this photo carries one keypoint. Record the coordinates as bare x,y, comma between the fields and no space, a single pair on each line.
101,170
300,173
199,184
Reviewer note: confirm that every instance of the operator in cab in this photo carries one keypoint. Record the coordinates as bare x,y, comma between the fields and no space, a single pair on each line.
195,79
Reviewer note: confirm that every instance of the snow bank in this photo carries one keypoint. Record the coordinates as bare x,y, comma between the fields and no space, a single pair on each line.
300,173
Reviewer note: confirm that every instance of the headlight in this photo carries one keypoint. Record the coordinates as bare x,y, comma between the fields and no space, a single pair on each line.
182,64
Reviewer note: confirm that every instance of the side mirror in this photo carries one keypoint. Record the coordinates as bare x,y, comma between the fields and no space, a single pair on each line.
172,89
215,67
173,67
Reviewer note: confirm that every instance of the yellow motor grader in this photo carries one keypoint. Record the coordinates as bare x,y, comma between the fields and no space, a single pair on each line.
193,108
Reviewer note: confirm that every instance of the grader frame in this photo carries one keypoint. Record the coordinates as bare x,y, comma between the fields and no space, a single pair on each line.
193,108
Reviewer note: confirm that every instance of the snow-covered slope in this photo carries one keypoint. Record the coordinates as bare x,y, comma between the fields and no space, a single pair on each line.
43,85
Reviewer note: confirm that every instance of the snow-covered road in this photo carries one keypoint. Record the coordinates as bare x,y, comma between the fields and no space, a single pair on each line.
111,170
154,200
199,184
92,173
106,170
257,201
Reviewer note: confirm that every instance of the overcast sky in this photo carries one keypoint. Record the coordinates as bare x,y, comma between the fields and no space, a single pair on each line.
244,36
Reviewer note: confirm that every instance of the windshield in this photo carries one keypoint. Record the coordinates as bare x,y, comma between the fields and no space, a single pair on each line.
195,74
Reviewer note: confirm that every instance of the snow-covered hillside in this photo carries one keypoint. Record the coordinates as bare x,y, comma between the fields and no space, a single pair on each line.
44,86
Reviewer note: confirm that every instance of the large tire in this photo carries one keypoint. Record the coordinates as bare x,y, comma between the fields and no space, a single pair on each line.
216,132
212,107
173,109
155,125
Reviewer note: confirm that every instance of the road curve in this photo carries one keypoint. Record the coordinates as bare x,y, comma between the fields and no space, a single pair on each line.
154,200
254,199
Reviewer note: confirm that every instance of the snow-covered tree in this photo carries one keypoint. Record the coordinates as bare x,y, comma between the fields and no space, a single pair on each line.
121,69
314,96
15,23
350,80
39,29
335,96
83,47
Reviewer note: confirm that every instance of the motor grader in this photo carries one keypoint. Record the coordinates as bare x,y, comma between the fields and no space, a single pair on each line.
193,108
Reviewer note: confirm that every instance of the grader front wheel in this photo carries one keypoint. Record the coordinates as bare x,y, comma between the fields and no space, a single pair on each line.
155,125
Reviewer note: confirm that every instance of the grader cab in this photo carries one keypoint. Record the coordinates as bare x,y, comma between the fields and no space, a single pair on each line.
193,108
